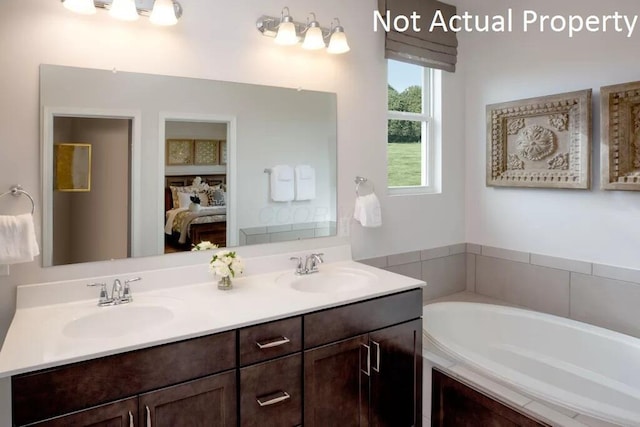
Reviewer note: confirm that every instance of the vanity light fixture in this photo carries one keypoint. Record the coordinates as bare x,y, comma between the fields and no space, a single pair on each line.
286,31
124,10
160,12
313,37
338,42
83,7
286,34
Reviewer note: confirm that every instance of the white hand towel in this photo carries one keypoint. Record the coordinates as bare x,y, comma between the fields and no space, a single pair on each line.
17,239
305,182
367,211
282,183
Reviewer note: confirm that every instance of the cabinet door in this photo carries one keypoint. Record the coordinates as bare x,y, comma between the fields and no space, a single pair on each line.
396,375
207,402
336,387
116,414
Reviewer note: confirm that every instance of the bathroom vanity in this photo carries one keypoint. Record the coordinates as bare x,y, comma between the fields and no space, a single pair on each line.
343,358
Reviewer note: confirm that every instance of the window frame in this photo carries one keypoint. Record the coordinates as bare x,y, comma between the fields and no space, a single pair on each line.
430,134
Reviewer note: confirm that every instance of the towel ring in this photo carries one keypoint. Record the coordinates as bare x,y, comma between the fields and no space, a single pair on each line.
16,191
360,180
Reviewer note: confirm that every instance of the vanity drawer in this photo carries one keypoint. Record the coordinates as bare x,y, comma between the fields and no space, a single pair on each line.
48,393
348,321
271,393
270,340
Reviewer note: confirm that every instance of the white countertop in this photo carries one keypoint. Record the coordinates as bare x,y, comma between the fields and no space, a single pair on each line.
39,334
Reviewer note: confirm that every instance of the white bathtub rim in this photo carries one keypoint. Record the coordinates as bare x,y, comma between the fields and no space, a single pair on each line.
529,385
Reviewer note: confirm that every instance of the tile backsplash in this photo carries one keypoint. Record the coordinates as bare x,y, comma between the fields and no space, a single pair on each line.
601,295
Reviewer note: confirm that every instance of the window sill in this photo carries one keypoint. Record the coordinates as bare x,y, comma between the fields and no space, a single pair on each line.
412,191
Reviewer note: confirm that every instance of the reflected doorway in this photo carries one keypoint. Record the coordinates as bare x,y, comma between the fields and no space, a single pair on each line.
195,184
91,189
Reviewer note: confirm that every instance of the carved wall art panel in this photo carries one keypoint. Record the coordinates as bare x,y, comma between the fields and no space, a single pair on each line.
541,142
620,132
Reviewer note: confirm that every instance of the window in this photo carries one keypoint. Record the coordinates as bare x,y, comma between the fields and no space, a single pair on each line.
412,149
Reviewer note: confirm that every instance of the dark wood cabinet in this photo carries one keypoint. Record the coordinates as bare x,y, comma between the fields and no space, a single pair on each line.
372,379
209,401
117,414
271,393
353,365
396,375
336,385
455,404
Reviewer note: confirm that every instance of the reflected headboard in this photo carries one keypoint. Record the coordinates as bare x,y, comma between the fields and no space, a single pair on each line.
185,181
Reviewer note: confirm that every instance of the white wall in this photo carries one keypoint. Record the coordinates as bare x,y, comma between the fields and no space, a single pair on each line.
218,40
593,225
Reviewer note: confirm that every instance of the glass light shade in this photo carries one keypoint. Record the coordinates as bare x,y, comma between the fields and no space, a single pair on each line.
313,39
338,43
286,33
85,7
163,13
124,10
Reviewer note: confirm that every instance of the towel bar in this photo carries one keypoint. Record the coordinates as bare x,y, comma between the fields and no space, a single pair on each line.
17,190
362,180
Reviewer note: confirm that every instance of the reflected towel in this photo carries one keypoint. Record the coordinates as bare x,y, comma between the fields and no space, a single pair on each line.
281,183
305,182
367,211
17,239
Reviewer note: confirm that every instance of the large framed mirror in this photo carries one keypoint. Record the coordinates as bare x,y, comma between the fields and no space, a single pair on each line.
176,161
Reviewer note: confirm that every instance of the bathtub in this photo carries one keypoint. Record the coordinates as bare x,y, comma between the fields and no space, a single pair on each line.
581,367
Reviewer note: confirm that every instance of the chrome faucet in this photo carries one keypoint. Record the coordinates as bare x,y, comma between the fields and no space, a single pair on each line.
119,294
310,264
116,292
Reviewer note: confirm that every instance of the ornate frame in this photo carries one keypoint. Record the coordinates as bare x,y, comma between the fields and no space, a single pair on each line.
620,134
542,142
179,152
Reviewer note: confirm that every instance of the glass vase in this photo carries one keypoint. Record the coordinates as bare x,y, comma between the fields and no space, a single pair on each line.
224,283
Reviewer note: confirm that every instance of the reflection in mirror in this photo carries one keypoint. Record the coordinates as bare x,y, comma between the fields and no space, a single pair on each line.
195,184
90,215
264,161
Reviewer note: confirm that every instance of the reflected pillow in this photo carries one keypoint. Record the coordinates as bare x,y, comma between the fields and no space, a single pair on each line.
184,199
217,197
176,190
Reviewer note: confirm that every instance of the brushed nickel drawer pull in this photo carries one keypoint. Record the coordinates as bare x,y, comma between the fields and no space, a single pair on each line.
130,419
368,371
148,416
377,367
274,342
284,396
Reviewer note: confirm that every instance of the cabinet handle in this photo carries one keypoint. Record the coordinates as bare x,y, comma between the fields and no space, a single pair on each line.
377,367
130,419
148,416
368,371
283,396
272,342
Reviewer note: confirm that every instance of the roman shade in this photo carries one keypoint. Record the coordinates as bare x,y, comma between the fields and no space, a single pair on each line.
437,49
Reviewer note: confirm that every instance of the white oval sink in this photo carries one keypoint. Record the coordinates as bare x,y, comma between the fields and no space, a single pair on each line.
341,279
116,321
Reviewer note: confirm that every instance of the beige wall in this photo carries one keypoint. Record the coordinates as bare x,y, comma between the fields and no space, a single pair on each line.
93,226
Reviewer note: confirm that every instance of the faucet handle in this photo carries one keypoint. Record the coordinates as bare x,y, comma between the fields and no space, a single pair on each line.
299,267
104,296
314,259
126,293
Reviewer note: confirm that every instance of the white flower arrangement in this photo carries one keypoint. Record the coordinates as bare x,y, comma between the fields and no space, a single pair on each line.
226,263
205,245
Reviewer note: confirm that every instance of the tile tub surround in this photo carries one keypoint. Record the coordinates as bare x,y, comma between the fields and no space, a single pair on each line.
601,295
